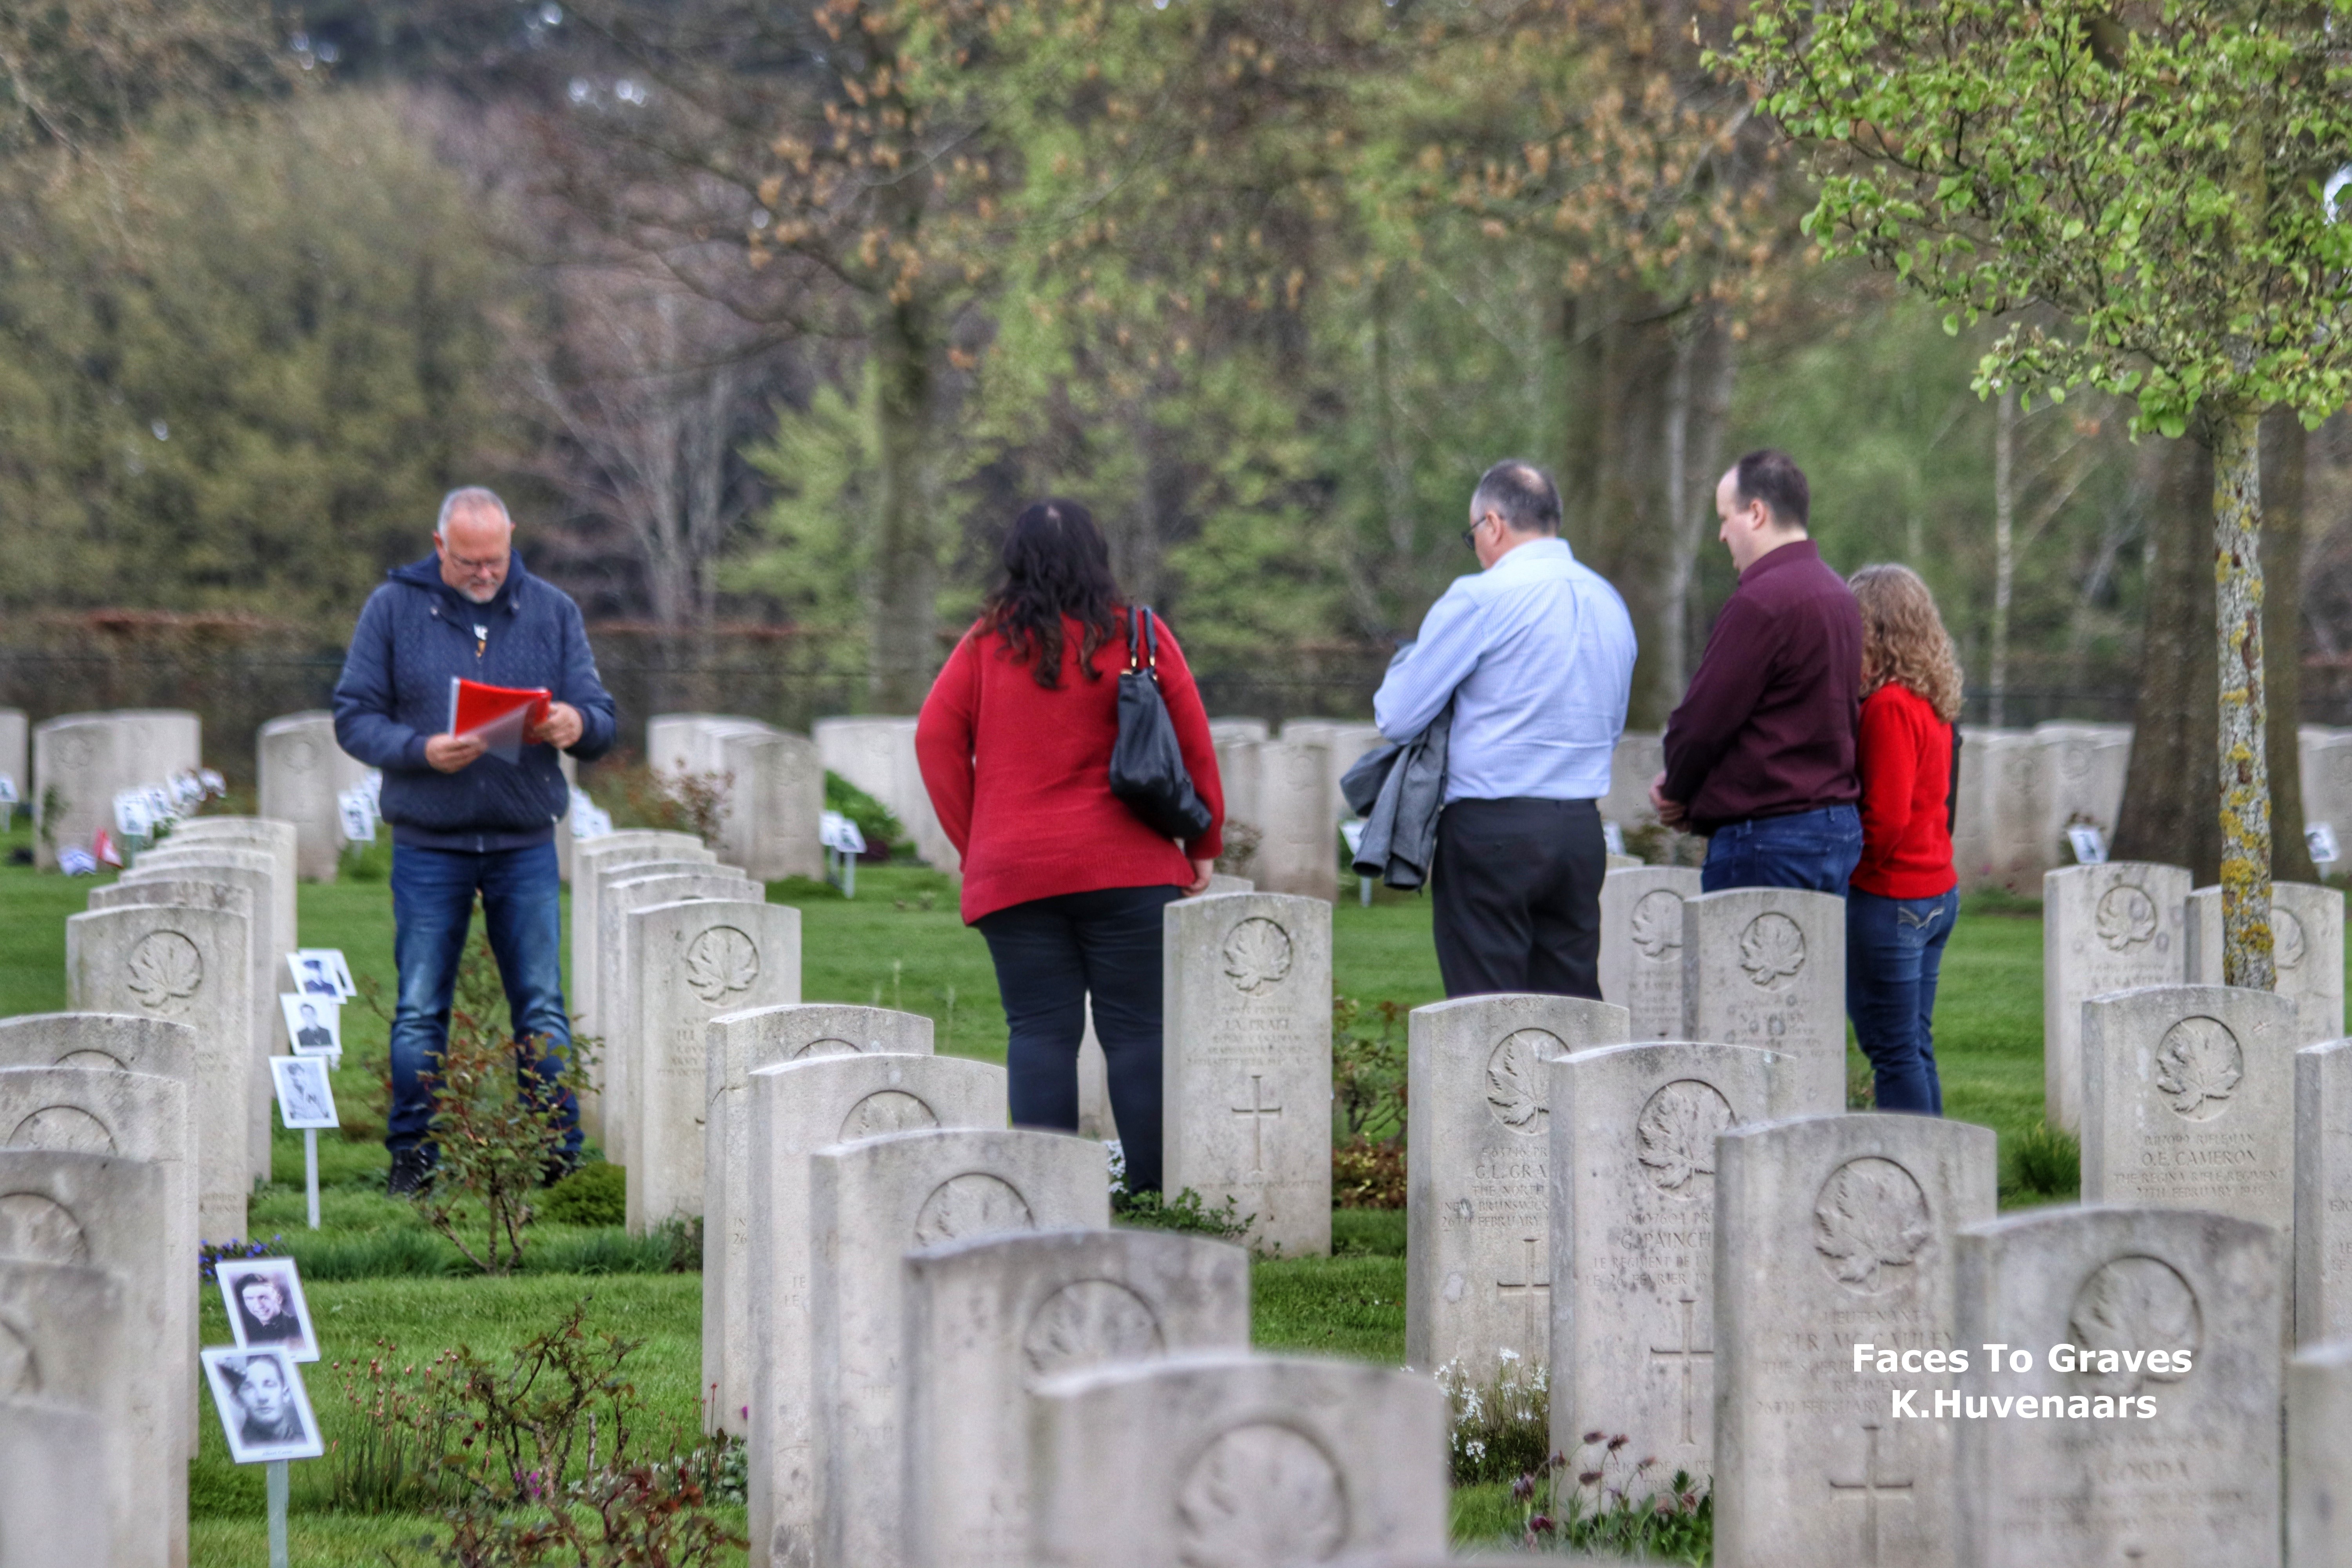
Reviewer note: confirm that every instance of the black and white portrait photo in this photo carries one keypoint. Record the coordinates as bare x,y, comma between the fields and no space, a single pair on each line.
303,1098
264,1412
314,1025
266,1310
321,972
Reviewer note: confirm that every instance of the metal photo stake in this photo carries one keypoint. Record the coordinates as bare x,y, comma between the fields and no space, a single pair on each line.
310,1171
276,1468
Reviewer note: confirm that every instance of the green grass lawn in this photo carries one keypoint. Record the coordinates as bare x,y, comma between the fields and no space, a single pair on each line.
900,944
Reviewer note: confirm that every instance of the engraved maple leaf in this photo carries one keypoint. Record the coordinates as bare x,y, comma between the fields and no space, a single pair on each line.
1771,948
722,960
2198,1060
1871,1215
2126,918
1257,954
1674,1137
1515,1086
2286,938
1657,925
1089,1321
2135,1304
1262,1496
165,970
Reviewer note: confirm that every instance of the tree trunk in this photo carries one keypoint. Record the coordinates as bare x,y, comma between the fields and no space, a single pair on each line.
2244,794
906,548
2168,811
2284,443
2004,549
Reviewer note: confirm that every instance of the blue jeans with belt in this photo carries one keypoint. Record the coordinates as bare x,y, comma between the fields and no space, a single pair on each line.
1893,953
433,895
1813,849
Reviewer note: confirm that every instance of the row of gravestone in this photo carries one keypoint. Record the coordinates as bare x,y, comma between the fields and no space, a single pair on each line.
770,786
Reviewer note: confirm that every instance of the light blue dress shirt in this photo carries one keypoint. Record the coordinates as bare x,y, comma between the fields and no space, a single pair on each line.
1537,652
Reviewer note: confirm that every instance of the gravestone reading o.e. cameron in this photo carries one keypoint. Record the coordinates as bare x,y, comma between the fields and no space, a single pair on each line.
2103,928
989,1319
2155,1433
1633,1241
1642,945
1832,1232
1246,1067
2322,1193
735,1045
1766,966
797,1108
1478,1222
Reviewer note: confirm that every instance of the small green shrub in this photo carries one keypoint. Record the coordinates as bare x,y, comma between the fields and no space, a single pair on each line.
875,824
1187,1211
2046,1160
592,1194
1604,1501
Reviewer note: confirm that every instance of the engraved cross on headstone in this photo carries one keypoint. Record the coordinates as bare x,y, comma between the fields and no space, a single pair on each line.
1534,1284
1685,1352
1869,1490
1257,1111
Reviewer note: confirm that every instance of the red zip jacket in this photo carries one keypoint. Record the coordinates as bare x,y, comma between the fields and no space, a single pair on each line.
1906,774
1019,775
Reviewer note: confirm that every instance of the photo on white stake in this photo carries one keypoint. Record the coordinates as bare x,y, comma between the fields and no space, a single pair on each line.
321,972
264,1411
304,1100
266,1308
314,1023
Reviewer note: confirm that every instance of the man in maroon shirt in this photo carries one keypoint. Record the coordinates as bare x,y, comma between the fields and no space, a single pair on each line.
1760,755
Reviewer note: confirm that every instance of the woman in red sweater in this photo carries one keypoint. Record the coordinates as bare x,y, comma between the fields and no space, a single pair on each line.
1062,878
1903,895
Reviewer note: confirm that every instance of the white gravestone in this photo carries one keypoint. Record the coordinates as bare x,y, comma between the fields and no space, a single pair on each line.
98,1211
184,966
1238,770
2125,1461
1225,1457
254,834
14,756
2319,1456
1642,945
989,1319
1095,1117
797,1108
48,1455
1298,838
1478,1220
2103,928
2306,951
590,862
620,1048
2323,1192
878,755
1639,757
1833,1231
1246,1064
779,796
82,759
734,1045
2082,781
693,961
110,1042
1766,966
871,1203
2189,1102
65,1341
1632,1257
302,772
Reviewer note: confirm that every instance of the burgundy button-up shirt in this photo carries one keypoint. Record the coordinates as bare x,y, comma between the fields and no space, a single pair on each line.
1768,726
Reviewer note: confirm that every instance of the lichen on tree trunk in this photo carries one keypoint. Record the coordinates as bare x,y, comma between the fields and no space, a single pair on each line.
2245,801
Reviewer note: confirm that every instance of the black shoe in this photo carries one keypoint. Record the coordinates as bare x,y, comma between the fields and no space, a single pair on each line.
559,1166
412,1172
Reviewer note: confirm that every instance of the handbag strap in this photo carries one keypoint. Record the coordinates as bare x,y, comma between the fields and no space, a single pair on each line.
1151,636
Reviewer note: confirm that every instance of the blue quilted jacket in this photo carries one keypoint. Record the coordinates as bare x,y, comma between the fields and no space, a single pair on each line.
414,634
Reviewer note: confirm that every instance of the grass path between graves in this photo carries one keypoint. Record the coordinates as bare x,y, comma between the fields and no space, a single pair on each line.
900,944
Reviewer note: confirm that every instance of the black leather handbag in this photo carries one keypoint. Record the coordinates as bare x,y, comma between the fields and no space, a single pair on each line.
1147,766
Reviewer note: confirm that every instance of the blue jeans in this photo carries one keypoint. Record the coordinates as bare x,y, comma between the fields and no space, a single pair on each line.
1814,849
1893,952
432,904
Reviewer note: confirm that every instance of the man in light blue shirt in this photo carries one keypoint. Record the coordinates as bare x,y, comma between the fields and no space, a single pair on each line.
1535,653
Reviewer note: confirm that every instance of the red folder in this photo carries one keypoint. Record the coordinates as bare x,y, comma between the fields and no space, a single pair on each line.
503,716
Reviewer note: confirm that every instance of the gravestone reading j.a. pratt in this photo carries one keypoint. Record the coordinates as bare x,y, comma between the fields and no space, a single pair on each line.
872,1203
1096,1119
623,895
1477,1272
797,1108
2319,1456
2103,928
1298,838
1246,1065
64,1341
693,961
97,1211
82,759
2130,1457
1633,1256
184,966
2189,1102
1766,966
48,1455
1832,1232
2323,1192
987,1320
1226,1458
1642,945
734,1045
591,862
2306,951
302,771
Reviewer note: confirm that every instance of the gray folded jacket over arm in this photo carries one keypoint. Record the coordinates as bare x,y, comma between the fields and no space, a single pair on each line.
1399,790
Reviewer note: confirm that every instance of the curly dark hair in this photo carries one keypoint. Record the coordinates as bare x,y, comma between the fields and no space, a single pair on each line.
1055,565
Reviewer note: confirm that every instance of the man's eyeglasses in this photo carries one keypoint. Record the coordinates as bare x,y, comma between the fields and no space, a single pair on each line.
1470,534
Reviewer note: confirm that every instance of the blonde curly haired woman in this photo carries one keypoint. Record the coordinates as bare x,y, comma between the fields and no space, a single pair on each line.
1904,894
